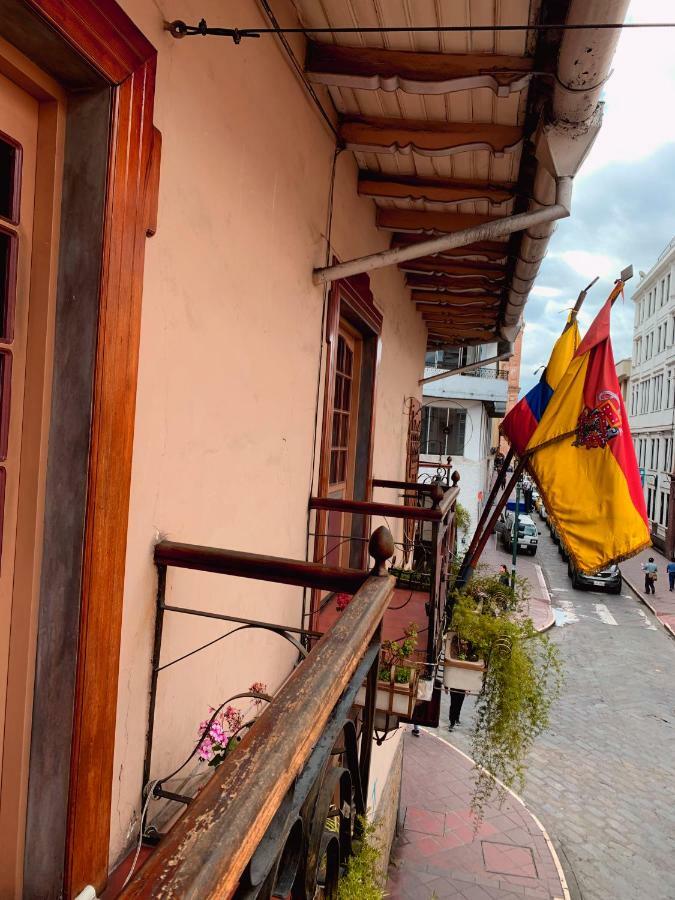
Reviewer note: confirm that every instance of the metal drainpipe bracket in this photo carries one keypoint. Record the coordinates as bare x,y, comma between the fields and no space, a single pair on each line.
562,147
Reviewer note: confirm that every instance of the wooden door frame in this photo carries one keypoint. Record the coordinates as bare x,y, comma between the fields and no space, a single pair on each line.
102,35
351,299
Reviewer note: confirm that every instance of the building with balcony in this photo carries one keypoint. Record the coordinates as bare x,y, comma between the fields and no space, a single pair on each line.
651,390
223,257
458,414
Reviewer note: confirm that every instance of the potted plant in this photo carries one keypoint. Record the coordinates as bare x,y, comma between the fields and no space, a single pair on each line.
397,676
521,679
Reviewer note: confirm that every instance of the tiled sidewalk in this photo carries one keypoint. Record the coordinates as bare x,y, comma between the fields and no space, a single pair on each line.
440,854
662,602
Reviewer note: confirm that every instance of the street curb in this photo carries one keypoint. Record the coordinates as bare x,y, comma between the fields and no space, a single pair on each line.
550,622
650,606
537,822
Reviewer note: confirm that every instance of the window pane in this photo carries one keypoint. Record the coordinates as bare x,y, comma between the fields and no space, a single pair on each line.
8,247
456,430
9,200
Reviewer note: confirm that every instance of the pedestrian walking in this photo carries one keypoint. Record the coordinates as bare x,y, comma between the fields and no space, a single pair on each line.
527,491
650,569
670,569
504,576
456,701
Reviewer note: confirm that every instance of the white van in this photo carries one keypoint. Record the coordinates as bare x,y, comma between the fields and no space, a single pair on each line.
528,534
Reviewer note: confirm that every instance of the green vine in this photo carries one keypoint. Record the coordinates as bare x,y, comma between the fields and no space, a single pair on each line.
522,679
462,518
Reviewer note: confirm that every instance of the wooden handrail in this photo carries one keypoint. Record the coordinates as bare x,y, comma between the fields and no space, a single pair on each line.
371,508
207,850
258,566
449,500
404,485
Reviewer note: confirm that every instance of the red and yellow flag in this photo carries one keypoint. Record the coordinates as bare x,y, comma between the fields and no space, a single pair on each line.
582,457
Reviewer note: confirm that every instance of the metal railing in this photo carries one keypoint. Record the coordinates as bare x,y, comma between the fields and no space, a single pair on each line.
431,509
260,826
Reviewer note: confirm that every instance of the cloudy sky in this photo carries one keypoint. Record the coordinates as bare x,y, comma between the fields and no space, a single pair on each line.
623,208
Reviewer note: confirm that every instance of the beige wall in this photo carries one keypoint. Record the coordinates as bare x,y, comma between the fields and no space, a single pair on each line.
230,345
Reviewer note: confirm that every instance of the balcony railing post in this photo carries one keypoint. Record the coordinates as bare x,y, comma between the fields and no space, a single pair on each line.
156,650
369,718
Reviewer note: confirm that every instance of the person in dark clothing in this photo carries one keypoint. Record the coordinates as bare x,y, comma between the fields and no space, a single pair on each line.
504,576
527,491
456,701
670,569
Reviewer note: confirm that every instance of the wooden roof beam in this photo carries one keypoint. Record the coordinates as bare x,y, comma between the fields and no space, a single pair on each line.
374,134
458,285
433,265
433,190
371,69
445,298
482,250
421,222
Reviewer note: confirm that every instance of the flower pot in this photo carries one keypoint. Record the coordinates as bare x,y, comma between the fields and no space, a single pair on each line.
462,674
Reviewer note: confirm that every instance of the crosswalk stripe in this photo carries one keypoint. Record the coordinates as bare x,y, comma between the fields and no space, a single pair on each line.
604,614
646,621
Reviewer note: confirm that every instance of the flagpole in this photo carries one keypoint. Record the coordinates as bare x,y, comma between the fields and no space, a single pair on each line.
487,509
469,563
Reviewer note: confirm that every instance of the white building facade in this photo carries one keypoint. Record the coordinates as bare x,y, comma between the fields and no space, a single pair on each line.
457,417
651,391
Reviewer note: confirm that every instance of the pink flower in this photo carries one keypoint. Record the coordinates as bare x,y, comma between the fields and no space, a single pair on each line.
206,753
342,601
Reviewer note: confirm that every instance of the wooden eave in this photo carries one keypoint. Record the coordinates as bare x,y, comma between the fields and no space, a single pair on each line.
376,134
371,68
435,154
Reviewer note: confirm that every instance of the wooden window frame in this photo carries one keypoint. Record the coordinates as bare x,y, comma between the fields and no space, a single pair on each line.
99,33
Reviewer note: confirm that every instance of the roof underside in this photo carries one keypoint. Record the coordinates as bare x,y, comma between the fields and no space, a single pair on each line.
440,125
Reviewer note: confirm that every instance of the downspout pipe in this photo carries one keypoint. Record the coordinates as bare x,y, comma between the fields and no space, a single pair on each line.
490,231
507,353
564,140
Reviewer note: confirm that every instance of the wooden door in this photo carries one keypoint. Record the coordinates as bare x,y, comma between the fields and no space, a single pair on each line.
18,154
342,441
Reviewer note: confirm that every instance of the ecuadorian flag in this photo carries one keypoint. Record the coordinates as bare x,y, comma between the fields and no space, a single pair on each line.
521,423
582,457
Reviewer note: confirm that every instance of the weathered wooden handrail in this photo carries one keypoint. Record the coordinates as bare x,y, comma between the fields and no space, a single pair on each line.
372,508
258,566
207,851
418,486
390,510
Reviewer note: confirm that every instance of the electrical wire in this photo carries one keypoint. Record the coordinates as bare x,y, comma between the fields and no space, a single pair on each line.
180,29
299,68
150,788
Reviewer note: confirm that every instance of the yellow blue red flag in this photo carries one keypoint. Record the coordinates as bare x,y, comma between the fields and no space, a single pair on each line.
582,457
521,423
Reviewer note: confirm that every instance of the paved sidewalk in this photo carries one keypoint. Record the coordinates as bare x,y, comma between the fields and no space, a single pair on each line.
661,603
539,604
440,853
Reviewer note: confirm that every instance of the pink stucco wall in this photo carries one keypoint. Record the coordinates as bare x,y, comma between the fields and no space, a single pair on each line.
230,358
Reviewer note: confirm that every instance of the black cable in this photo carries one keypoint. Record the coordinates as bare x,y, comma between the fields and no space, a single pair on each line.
280,32
179,29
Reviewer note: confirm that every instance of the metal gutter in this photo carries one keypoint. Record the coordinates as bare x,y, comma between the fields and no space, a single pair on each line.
563,142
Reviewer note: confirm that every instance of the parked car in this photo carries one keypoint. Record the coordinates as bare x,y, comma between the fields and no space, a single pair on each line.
555,537
528,535
608,579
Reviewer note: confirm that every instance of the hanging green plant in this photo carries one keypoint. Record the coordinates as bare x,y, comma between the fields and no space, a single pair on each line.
462,518
522,679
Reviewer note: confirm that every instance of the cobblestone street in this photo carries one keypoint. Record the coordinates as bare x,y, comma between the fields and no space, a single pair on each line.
602,779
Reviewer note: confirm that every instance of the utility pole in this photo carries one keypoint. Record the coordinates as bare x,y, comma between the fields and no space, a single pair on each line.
514,539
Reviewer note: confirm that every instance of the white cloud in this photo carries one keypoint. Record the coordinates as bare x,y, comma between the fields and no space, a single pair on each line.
590,264
638,95
540,290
